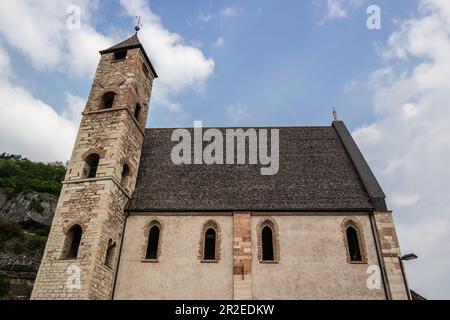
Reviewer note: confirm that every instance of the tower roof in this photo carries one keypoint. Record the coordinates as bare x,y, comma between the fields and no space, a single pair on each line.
131,43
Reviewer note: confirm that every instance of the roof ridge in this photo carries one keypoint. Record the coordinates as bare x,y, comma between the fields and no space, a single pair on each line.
247,127
132,41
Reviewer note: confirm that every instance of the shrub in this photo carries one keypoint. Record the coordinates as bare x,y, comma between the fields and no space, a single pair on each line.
14,237
9,230
19,175
19,247
36,204
4,286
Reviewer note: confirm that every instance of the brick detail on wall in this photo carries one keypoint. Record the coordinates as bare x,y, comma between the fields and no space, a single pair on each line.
242,256
390,252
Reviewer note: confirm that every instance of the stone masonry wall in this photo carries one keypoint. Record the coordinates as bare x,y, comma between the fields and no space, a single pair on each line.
97,204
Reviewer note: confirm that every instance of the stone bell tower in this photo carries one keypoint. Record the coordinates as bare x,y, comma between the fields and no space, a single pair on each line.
80,258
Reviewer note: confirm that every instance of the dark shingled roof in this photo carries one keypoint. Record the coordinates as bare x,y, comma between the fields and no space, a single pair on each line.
316,174
131,43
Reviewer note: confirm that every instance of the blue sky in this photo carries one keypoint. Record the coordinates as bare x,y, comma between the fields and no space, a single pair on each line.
282,65
255,63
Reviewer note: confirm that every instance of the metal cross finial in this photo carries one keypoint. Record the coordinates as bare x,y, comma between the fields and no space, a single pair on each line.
335,116
138,24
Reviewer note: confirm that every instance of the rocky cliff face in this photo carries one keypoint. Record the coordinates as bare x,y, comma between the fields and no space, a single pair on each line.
28,208
21,250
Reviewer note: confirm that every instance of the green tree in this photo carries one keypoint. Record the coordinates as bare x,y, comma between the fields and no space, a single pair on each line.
18,174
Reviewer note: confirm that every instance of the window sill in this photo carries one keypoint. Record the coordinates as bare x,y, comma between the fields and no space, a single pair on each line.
209,261
150,260
357,262
268,262
118,60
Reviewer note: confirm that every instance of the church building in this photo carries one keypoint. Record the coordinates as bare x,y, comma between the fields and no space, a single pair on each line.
132,224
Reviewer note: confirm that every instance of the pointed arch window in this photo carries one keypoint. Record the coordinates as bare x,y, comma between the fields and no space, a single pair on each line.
108,100
73,241
125,176
153,243
137,112
110,253
210,245
354,241
353,245
91,166
267,244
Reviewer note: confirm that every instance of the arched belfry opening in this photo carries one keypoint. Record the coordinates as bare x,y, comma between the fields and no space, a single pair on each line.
110,254
137,112
120,55
108,100
125,179
73,241
91,166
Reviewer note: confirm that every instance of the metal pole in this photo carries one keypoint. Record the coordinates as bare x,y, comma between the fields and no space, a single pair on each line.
402,268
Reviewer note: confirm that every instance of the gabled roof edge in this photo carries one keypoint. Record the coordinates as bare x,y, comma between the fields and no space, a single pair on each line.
369,180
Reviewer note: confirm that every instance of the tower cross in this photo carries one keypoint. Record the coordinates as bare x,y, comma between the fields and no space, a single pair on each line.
138,24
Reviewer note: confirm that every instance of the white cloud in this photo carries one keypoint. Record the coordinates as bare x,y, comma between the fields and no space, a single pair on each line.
204,17
231,12
83,47
4,64
238,112
38,29
28,25
225,13
179,66
354,4
32,128
219,42
338,9
335,9
409,145
75,105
